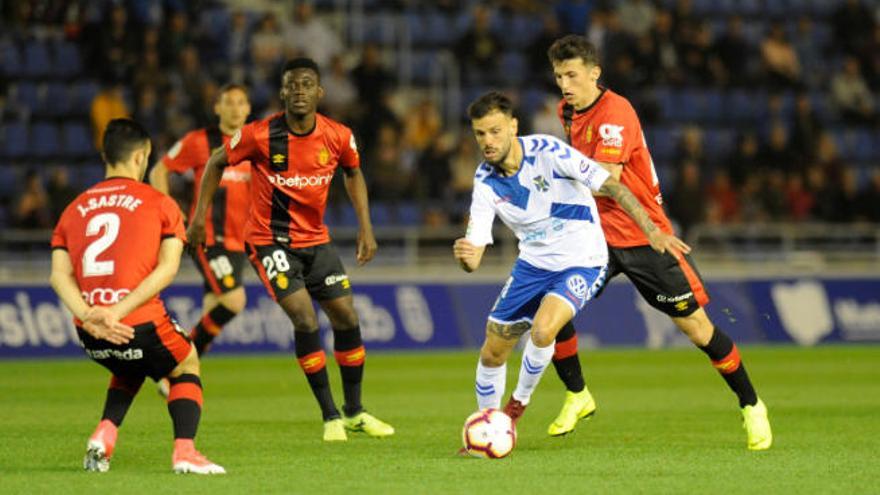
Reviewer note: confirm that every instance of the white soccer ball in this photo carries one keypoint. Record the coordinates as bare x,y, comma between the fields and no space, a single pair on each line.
489,433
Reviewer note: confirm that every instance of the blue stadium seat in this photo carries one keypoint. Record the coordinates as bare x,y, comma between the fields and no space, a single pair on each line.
863,144
440,30
380,213
77,140
215,22
718,143
377,28
14,140
27,94
514,68
418,31
81,95
521,30
44,140
56,101
662,142
409,214
68,62
37,62
10,59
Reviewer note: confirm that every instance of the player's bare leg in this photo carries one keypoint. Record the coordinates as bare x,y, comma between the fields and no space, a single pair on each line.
312,359
552,314
726,359
102,443
217,311
348,349
185,408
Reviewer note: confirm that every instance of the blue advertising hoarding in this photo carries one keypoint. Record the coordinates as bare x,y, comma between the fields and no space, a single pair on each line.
805,311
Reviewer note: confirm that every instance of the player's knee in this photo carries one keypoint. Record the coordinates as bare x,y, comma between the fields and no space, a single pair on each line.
189,365
235,301
697,327
491,356
344,320
542,337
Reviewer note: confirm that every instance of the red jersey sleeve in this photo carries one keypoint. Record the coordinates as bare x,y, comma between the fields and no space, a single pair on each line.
349,156
59,235
172,219
243,146
619,134
185,155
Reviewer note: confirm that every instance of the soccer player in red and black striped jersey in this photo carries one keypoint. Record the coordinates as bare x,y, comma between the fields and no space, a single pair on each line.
114,248
222,261
604,126
293,156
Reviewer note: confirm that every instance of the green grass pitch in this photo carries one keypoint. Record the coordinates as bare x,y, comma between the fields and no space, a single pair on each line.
666,424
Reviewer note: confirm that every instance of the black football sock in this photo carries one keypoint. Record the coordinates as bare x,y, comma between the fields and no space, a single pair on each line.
185,405
725,358
348,348
120,395
313,362
565,359
210,327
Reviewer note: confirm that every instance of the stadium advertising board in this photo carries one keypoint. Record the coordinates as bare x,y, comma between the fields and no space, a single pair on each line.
429,316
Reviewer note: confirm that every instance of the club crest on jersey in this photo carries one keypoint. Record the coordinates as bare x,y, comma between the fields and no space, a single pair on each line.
612,135
323,156
541,183
277,158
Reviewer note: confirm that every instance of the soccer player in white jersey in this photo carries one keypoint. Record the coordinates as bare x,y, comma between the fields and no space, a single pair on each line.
540,188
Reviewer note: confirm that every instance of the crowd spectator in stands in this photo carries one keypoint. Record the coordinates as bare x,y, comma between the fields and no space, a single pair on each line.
310,36
433,169
777,153
536,52
59,193
806,128
32,209
371,79
108,104
479,50
771,195
733,53
689,201
666,57
461,168
869,199
112,44
188,79
853,23
809,52
798,198
148,110
422,125
690,148
267,44
574,14
723,199
636,16
175,36
546,119
781,63
744,160
340,95
391,178
238,39
851,94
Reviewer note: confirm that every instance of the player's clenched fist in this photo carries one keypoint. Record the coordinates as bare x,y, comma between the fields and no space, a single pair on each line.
467,254
195,233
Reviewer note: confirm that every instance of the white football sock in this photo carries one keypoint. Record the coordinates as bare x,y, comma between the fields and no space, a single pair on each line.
490,385
534,361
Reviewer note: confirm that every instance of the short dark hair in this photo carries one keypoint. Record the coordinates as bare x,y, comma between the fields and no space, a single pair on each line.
493,100
301,63
232,87
573,46
121,138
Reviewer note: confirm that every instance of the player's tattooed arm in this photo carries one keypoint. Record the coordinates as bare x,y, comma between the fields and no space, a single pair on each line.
508,331
660,241
210,181
615,169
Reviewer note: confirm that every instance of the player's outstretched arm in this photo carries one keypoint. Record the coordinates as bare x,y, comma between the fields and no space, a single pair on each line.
356,187
210,181
97,321
468,255
660,241
161,277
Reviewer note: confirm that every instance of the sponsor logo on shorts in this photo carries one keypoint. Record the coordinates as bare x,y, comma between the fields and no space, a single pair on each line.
281,281
577,284
228,281
681,306
674,299
126,355
336,279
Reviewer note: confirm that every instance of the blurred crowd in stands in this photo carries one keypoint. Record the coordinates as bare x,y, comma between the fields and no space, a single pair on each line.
755,111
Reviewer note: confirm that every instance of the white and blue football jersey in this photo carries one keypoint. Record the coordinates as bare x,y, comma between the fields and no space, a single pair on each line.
547,204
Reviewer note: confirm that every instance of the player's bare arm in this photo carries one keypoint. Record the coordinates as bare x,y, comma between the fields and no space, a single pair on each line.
160,278
97,321
660,241
356,187
159,177
468,255
210,181
615,169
